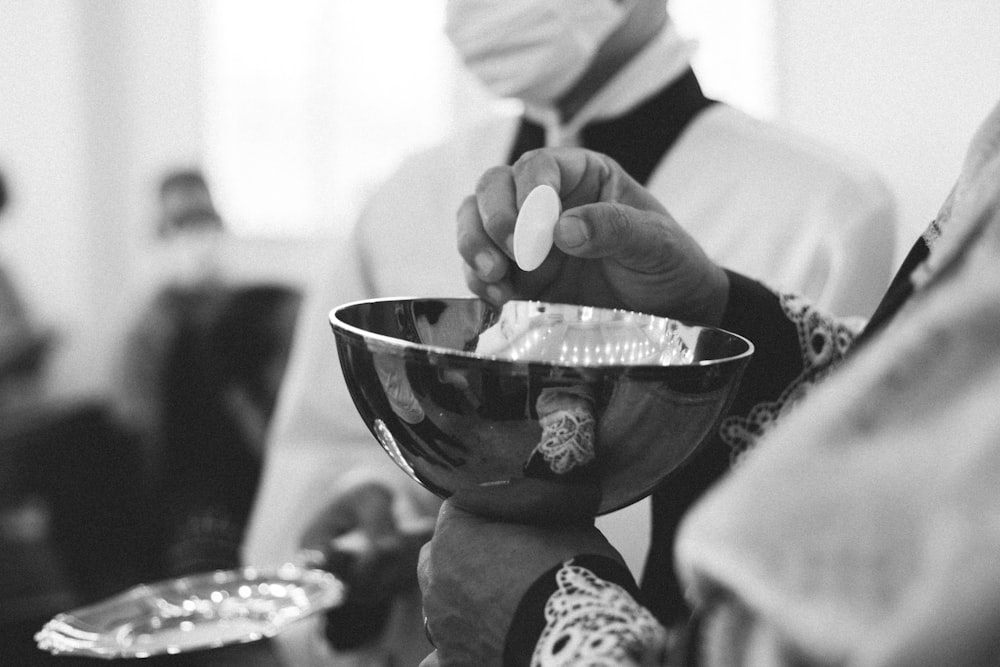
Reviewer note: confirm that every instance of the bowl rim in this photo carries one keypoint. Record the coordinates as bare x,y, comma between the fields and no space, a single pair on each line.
404,346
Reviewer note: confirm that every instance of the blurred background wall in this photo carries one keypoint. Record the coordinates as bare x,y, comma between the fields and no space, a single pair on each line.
99,97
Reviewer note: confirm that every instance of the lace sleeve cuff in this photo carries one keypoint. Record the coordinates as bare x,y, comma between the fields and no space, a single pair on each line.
584,611
795,346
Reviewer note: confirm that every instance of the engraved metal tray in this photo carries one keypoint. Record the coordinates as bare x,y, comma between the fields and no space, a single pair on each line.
192,613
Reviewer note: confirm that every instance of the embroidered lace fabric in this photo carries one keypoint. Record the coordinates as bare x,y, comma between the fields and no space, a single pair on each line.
567,439
823,342
590,621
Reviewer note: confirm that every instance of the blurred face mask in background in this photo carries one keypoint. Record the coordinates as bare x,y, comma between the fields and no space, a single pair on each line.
189,257
534,50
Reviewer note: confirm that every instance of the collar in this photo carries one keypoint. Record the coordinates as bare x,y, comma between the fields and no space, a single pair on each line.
665,59
638,138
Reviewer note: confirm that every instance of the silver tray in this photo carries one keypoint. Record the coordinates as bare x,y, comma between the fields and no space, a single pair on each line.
192,613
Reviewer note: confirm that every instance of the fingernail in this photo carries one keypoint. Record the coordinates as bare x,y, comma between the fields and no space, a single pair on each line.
484,263
495,294
573,231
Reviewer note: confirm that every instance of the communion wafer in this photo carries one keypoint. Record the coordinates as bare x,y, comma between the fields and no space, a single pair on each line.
535,224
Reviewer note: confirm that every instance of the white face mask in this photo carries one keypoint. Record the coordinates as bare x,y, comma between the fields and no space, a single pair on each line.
189,257
534,50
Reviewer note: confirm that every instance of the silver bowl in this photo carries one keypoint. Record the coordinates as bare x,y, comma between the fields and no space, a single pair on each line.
535,412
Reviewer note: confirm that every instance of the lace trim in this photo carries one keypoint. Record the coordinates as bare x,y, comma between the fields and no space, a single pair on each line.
567,440
590,621
823,341
566,416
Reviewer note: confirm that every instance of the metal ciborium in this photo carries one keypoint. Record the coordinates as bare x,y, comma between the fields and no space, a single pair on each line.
535,411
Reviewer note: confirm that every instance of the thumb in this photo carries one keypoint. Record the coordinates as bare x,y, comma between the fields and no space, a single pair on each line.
639,239
651,263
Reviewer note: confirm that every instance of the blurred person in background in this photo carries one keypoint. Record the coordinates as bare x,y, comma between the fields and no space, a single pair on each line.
609,75
187,284
199,379
186,204
220,383
189,229
201,374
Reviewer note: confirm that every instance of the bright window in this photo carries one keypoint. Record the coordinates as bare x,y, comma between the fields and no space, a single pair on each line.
735,60
309,103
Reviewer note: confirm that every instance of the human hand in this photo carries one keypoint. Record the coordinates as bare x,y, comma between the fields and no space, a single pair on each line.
474,572
615,245
360,538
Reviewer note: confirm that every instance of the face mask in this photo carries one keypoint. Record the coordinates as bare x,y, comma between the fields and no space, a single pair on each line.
189,257
534,50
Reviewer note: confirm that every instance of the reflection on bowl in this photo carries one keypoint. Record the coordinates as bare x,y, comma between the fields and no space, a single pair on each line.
536,411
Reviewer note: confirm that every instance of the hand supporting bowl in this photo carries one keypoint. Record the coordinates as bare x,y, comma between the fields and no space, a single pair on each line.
535,412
